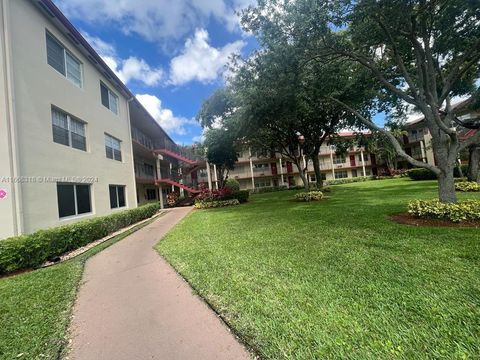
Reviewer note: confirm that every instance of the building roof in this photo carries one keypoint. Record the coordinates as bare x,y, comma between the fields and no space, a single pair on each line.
69,30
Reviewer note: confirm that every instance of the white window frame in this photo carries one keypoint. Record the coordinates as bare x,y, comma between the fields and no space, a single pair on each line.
69,129
66,53
113,149
117,197
111,94
77,215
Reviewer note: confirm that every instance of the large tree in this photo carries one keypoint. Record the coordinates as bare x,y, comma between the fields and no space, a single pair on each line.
422,54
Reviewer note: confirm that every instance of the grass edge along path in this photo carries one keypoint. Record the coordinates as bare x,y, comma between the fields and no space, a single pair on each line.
335,279
36,306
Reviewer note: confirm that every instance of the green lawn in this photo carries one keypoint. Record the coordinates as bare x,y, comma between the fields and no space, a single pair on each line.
35,307
336,279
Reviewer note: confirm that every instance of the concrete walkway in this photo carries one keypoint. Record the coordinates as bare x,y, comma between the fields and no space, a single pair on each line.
133,305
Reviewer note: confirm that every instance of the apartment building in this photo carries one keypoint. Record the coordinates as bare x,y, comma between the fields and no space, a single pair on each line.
417,141
74,141
255,170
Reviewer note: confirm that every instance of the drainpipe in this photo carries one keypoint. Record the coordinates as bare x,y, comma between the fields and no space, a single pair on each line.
16,188
363,163
215,176
251,168
209,177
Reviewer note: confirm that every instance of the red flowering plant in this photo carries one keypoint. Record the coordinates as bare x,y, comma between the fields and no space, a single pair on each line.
207,195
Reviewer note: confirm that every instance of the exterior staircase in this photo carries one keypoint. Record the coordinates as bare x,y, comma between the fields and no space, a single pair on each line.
177,156
174,183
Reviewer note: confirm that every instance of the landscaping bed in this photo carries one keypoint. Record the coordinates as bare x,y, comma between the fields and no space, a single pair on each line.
407,219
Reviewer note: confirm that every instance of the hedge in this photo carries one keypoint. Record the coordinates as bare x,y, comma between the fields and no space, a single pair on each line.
232,184
30,251
467,186
215,204
241,195
456,212
349,180
426,174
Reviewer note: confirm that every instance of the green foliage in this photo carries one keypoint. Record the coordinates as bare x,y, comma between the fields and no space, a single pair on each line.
349,180
467,186
219,104
309,196
241,195
269,189
232,184
215,204
418,174
30,251
434,209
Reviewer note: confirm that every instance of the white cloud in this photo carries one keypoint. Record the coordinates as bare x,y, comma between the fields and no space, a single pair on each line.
130,69
155,20
200,61
165,117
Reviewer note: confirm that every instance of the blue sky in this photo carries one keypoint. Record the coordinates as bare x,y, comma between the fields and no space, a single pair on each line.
171,54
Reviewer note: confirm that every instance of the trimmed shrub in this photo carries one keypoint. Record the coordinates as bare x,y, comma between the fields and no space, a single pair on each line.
309,196
241,195
434,209
269,189
349,180
418,174
215,204
467,186
30,251
232,184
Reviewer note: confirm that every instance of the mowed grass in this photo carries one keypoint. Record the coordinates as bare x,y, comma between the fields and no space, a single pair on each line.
35,307
336,279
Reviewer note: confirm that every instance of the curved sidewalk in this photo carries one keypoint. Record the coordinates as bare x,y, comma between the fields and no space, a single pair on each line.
133,305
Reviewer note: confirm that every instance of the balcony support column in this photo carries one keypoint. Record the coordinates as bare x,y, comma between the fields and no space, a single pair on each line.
159,176
251,168
209,177
363,163
215,176
331,162
281,170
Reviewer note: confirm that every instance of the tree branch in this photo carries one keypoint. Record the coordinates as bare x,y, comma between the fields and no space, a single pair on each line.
475,139
396,144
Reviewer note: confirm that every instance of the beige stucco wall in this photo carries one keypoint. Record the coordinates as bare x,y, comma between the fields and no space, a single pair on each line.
38,86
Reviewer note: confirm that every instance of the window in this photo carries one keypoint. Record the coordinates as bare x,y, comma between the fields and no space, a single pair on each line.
73,199
112,148
260,166
313,178
354,173
338,159
341,174
262,183
117,196
109,99
151,194
63,61
67,130
365,157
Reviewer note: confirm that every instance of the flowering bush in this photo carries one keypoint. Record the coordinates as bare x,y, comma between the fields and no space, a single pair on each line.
215,204
172,198
309,196
213,195
467,186
434,209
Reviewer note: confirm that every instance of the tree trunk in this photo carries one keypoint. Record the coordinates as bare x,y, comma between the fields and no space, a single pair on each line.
316,168
446,186
473,172
301,172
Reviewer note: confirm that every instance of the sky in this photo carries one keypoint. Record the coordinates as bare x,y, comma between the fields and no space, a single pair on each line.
171,54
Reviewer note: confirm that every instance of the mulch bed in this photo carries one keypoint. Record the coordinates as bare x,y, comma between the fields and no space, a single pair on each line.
407,219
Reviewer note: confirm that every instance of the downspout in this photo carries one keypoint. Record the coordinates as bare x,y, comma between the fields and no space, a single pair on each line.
129,122
16,188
